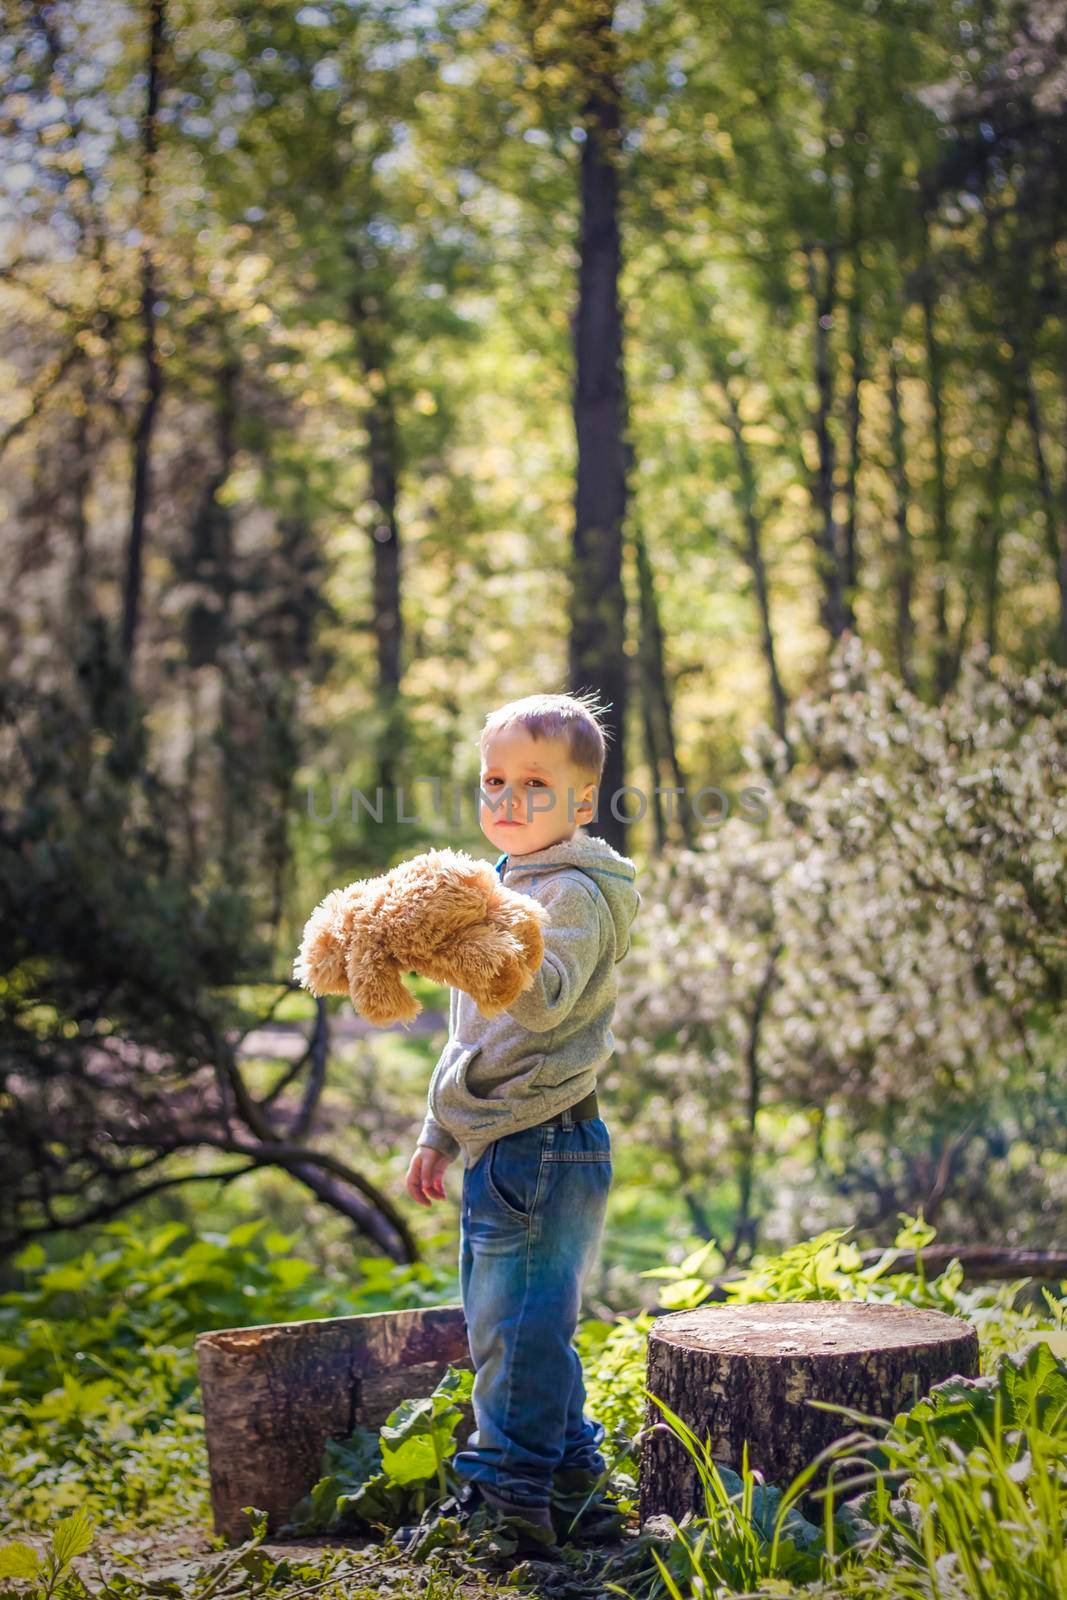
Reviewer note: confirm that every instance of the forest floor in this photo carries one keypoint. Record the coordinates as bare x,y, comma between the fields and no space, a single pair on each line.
180,1562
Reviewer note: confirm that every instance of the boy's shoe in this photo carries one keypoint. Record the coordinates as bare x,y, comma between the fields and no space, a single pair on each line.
476,1510
540,1517
599,1520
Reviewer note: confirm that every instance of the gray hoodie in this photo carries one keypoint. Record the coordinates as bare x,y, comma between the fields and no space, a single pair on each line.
497,1075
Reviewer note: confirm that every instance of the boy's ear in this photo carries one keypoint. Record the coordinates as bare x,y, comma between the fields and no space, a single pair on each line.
588,800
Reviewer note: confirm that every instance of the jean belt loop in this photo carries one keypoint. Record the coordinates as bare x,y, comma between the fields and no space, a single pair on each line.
567,1119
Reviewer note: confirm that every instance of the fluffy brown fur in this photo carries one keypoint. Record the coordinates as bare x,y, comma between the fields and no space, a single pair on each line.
443,915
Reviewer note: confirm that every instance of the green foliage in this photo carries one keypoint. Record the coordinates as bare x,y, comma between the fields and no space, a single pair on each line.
613,1360
1027,1392
825,1267
379,1480
98,1368
142,1293
70,1538
104,1432
828,1267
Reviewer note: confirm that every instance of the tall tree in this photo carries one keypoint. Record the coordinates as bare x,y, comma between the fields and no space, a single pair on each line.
598,599
156,17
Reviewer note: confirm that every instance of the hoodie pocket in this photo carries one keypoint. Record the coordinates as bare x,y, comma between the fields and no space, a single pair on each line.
451,1071
489,1109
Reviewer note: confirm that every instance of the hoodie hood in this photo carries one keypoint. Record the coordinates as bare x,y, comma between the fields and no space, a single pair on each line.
614,875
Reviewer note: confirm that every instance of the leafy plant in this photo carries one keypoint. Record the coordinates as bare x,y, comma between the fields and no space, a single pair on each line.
70,1538
98,1371
380,1480
830,1267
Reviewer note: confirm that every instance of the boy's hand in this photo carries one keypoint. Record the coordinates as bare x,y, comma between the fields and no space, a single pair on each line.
426,1174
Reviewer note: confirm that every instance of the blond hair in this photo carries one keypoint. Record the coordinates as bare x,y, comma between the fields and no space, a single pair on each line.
574,719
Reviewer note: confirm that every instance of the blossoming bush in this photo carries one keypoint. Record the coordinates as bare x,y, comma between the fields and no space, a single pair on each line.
884,961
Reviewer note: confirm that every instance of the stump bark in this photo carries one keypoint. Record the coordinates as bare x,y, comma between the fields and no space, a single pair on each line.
745,1372
272,1396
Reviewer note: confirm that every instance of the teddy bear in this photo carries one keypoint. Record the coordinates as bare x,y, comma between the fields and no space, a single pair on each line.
443,915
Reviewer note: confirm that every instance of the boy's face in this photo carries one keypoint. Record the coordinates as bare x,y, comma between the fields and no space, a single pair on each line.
532,796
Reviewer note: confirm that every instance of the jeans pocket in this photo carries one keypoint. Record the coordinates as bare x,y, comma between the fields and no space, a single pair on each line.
511,1178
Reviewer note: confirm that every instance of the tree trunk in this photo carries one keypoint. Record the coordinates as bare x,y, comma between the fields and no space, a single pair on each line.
991,530
80,603
369,319
1054,533
657,708
740,1372
598,606
273,1395
858,364
754,556
1061,564
942,529
904,559
209,566
827,538
153,372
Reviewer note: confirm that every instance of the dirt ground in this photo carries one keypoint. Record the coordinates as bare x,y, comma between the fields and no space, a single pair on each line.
168,1563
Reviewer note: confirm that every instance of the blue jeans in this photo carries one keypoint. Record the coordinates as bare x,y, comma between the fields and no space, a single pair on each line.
531,1219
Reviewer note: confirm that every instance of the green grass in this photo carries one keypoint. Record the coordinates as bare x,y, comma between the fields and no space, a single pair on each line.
103,1437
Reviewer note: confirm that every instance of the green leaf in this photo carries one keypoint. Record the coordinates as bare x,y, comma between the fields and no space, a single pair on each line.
291,1272
72,1537
345,1466
1032,1390
1037,1385
245,1232
314,1511
687,1292
914,1233
165,1236
379,1500
19,1561
708,1260
31,1258
416,1436
457,1384
66,1277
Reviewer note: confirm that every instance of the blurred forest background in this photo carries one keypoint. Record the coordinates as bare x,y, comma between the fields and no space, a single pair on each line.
366,365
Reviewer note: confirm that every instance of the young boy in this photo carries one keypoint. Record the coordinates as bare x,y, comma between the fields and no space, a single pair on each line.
517,1095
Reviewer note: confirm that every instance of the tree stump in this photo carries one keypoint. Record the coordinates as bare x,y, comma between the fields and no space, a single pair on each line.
737,1372
274,1394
